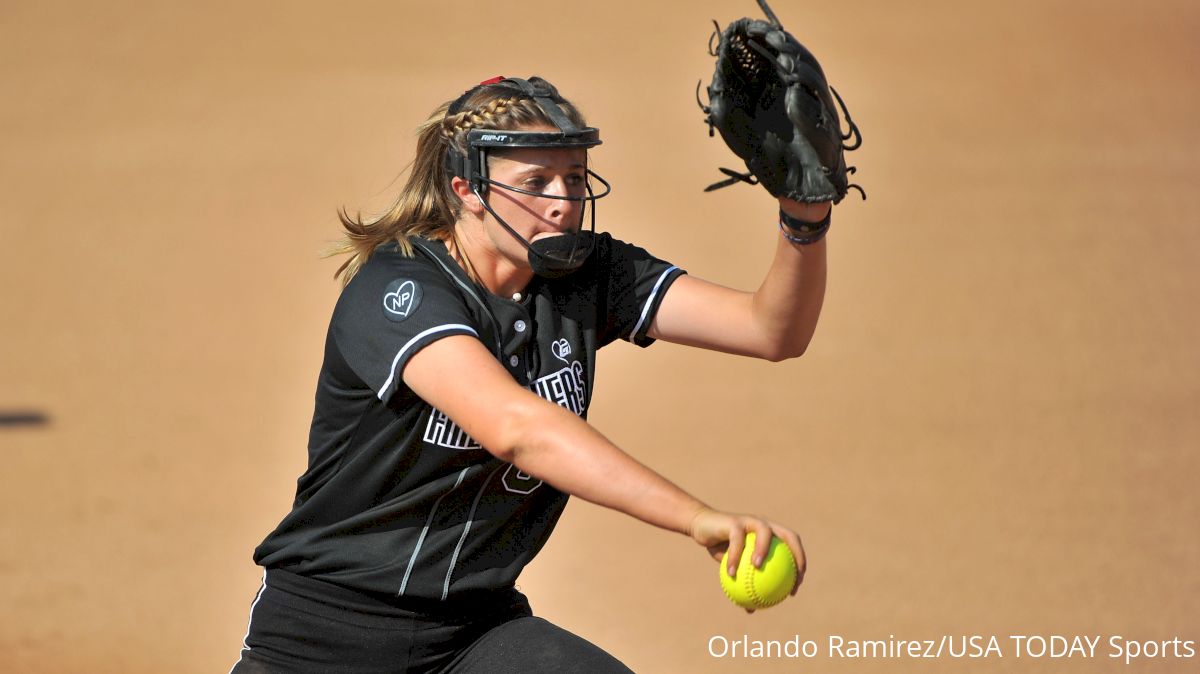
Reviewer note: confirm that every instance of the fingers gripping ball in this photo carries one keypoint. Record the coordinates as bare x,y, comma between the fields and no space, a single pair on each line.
759,588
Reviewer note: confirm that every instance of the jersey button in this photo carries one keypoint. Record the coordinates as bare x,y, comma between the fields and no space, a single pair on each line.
520,326
513,360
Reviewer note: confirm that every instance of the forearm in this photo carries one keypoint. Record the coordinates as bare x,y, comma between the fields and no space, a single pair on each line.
787,305
774,322
554,445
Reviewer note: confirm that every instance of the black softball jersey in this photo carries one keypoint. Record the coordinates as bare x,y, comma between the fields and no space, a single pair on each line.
397,500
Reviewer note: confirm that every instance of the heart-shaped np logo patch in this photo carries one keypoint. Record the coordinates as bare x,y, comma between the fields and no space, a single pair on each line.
401,299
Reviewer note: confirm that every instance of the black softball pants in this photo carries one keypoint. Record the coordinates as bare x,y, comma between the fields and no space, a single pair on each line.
300,625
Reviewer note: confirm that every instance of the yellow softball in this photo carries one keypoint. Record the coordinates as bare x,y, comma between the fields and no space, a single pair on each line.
755,588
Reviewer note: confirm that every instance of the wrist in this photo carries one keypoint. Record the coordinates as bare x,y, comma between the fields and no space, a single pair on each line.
804,210
690,532
803,232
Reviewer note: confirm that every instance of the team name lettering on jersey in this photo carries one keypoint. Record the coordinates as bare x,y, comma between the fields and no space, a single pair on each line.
442,432
567,388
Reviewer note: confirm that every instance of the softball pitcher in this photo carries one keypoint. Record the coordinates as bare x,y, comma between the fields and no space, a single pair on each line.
450,422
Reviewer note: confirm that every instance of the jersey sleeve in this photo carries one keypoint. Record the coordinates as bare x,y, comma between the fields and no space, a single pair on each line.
394,307
636,284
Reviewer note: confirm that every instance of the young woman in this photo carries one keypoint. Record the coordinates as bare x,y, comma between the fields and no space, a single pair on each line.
449,426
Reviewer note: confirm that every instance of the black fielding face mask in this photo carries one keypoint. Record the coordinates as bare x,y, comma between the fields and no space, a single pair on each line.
554,256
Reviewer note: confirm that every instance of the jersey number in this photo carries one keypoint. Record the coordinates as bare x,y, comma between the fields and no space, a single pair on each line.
519,483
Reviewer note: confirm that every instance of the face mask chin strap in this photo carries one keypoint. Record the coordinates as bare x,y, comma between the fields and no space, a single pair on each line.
553,257
559,255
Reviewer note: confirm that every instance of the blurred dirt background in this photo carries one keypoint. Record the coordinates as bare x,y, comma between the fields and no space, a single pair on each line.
994,432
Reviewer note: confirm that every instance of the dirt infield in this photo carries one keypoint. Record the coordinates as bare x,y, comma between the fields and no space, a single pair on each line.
994,432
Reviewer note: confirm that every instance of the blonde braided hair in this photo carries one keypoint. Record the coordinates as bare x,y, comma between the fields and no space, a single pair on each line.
487,116
426,207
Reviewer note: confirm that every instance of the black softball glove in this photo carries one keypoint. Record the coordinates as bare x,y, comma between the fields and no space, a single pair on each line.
772,105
